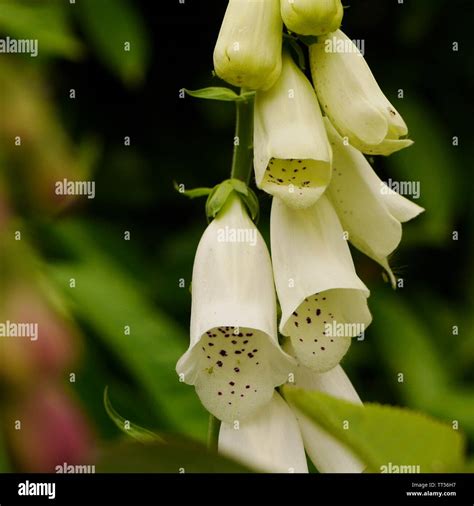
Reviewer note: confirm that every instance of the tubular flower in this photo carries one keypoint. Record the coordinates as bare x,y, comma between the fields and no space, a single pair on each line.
312,17
323,302
268,441
234,359
326,453
248,49
292,156
352,99
369,210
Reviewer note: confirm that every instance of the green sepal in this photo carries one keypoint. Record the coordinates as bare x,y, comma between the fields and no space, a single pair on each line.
292,43
309,40
221,193
194,193
220,93
134,431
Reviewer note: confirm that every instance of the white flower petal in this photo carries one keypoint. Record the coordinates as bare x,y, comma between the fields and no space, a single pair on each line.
316,283
292,156
269,441
352,99
248,49
325,451
368,210
310,17
234,358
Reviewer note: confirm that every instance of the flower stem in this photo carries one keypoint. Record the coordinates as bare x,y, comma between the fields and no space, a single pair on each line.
242,160
213,432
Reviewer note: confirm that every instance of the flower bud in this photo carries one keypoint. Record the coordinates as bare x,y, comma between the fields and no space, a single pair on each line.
312,17
292,155
248,49
352,99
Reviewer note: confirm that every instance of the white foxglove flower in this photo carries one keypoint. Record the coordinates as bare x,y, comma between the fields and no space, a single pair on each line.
248,49
312,17
323,302
234,359
326,452
368,209
268,441
352,99
292,156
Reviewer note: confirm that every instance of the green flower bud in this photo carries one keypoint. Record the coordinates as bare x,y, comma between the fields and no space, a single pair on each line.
248,49
312,17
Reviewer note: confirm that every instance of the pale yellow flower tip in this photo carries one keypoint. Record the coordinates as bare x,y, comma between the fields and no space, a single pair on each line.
312,17
248,48
352,99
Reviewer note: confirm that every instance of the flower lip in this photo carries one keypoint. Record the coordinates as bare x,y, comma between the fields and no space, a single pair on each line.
321,329
235,370
296,181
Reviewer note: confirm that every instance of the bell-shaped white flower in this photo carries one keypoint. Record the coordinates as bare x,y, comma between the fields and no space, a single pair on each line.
268,441
312,17
323,302
327,453
352,99
248,49
234,359
292,156
368,209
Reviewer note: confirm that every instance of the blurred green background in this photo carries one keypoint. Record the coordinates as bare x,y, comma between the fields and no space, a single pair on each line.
88,109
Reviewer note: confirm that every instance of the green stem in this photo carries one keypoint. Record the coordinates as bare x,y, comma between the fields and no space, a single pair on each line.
242,161
213,432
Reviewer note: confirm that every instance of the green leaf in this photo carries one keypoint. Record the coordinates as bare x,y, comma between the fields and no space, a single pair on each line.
194,192
111,25
108,299
135,431
44,21
220,93
406,347
172,456
380,435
